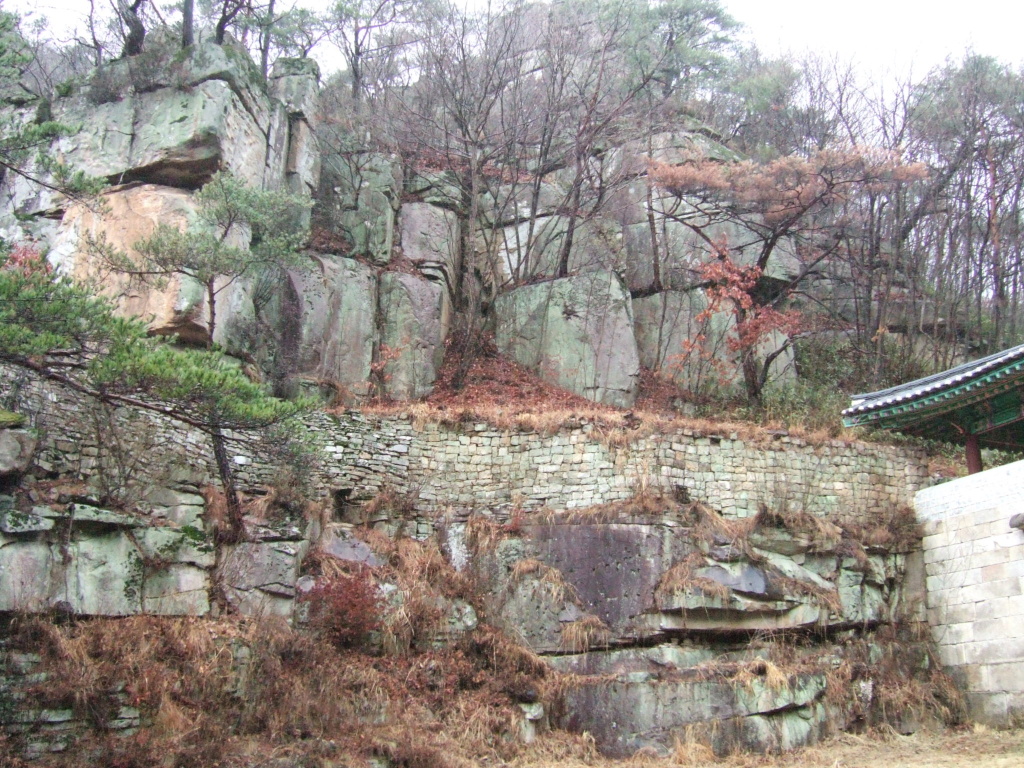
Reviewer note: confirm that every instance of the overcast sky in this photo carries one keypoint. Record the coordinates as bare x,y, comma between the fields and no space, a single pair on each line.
882,35
887,34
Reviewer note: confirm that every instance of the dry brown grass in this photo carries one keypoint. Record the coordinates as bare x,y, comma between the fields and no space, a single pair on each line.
905,676
708,526
746,672
220,692
483,534
895,530
615,428
823,597
824,535
584,634
681,578
391,503
550,580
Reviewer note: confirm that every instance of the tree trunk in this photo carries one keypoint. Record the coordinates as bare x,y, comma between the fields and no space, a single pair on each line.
211,299
268,23
188,24
236,524
136,31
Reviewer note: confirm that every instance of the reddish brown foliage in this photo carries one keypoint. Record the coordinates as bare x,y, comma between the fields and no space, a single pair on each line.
27,260
782,191
345,607
494,379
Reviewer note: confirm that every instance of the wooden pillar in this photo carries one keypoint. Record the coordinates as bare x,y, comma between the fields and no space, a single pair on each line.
973,455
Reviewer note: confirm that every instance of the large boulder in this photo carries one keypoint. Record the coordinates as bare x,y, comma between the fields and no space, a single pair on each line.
174,118
515,203
359,200
545,586
320,324
295,83
169,136
415,322
576,332
259,577
129,214
430,240
635,710
531,250
627,578
17,447
95,562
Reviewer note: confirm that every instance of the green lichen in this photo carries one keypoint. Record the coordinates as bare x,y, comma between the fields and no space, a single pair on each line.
134,581
10,420
197,537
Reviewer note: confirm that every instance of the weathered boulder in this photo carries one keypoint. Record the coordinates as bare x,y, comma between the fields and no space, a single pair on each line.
512,204
569,578
166,136
413,329
340,545
181,508
174,118
129,214
318,324
259,577
627,713
97,562
529,251
576,332
294,82
437,188
17,447
430,240
359,199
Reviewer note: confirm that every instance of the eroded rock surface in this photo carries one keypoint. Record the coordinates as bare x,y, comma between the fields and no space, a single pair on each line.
576,332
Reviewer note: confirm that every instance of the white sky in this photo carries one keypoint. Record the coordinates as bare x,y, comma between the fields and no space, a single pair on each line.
881,35
886,35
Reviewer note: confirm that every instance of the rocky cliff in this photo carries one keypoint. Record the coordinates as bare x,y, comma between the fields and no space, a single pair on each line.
651,567
373,306
659,573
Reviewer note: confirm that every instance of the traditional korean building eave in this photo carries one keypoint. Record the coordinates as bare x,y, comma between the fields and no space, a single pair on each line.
980,402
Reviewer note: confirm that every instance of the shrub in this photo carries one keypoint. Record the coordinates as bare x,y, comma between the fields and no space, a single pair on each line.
345,607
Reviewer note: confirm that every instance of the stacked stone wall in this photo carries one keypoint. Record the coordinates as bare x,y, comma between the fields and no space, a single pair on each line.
466,467
974,564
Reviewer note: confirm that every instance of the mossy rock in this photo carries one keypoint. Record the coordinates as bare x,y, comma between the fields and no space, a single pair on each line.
11,420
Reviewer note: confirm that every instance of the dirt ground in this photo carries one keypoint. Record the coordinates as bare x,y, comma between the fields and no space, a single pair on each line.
970,748
977,748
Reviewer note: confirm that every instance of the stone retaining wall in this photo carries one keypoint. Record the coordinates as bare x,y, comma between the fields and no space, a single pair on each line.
974,563
469,467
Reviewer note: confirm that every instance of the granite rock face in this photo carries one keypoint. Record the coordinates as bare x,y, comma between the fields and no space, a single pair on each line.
259,577
321,323
430,240
576,332
676,336
413,329
17,447
131,213
359,200
94,562
602,593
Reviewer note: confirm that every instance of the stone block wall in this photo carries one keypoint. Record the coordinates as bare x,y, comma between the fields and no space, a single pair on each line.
48,730
466,467
974,564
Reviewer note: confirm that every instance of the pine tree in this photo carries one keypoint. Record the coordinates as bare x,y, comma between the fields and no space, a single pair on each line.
63,333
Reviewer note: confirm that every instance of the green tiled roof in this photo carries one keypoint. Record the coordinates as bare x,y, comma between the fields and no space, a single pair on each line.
982,397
